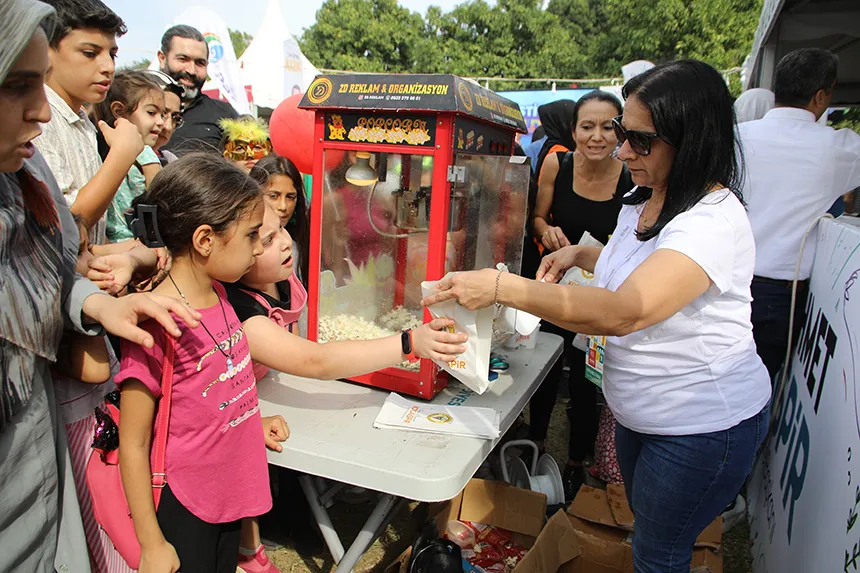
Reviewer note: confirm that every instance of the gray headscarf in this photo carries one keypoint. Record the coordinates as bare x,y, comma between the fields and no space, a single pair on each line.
18,21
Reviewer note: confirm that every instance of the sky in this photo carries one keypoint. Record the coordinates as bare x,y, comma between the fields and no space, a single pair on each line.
148,19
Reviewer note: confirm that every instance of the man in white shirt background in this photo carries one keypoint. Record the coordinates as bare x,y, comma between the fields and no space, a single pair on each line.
794,169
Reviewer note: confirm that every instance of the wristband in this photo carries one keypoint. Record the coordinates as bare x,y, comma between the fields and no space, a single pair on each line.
407,347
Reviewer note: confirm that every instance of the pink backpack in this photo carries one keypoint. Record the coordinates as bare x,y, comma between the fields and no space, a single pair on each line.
110,506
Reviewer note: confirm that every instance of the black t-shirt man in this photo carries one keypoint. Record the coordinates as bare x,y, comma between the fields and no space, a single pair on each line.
200,128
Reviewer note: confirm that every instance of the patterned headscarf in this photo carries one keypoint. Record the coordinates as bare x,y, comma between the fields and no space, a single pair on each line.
18,21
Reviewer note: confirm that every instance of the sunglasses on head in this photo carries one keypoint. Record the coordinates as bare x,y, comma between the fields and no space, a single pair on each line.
640,141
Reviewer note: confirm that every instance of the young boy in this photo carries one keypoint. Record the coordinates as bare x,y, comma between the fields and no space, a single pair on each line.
82,52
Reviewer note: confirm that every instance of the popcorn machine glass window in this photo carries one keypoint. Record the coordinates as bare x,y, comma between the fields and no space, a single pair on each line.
373,255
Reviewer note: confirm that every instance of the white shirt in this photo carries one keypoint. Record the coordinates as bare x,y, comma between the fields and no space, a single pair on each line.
697,371
794,169
68,143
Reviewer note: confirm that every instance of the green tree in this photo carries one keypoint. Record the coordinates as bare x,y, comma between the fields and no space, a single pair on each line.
369,36
240,41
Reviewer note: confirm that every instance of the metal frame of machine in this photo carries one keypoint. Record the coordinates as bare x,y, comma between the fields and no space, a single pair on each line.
456,116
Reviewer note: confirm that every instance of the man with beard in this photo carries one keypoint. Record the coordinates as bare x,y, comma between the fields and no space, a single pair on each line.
184,56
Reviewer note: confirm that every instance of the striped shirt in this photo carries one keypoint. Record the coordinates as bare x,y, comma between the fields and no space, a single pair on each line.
68,143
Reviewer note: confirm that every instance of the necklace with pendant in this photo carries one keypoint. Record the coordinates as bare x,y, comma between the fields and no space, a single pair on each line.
230,370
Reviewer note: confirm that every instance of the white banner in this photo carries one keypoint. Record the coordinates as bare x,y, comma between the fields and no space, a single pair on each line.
805,492
223,67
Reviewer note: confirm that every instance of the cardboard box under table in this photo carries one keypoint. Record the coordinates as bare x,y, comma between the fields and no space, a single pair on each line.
593,536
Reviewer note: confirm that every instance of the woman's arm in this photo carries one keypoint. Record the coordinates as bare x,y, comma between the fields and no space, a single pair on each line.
135,434
666,282
554,265
551,237
84,358
275,347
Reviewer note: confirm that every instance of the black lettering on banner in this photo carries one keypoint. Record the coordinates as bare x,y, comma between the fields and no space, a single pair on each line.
816,338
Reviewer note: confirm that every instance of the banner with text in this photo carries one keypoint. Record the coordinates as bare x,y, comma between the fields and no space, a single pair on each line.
805,491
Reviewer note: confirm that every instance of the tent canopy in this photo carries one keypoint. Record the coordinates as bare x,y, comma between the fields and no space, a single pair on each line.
787,25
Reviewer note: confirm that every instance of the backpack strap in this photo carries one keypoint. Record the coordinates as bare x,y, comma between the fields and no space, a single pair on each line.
162,421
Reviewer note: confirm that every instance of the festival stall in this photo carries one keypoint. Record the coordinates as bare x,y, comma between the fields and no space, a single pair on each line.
787,25
805,491
415,178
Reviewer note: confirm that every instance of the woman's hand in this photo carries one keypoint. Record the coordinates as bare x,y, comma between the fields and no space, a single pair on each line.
554,265
120,316
275,430
161,558
437,340
553,239
111,273
472,289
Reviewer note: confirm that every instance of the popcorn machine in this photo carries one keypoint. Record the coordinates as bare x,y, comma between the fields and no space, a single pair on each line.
413,177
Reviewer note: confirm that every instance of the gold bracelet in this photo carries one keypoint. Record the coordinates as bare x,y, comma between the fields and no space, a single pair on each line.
498,278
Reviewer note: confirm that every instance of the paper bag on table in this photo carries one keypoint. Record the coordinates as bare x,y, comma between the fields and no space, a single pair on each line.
398,413
472,368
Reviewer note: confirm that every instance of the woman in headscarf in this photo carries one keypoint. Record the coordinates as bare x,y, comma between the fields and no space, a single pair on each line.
556,118
40,525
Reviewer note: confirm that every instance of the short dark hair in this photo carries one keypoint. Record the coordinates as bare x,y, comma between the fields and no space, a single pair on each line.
801,74
180,31
80,15
262,173
198,189
693,111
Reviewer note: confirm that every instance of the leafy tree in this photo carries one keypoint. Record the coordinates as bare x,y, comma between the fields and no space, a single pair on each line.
369,36
240,41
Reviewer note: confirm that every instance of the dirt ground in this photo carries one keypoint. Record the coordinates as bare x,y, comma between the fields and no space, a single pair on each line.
348,519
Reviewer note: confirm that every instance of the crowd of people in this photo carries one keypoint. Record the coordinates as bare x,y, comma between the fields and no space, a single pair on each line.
155,246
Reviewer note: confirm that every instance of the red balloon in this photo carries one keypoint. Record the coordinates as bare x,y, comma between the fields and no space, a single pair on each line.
292,132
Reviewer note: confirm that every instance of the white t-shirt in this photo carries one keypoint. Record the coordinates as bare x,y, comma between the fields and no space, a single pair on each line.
697,371
794,169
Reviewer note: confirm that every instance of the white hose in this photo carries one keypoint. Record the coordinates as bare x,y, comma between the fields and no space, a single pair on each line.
787,365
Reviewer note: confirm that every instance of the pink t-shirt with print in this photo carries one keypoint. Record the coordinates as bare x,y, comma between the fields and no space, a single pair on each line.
216,454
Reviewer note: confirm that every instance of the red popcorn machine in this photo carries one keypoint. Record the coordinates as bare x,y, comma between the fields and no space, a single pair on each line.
413,177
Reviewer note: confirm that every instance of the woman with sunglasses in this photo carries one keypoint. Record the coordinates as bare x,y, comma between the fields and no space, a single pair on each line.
583,196
672,308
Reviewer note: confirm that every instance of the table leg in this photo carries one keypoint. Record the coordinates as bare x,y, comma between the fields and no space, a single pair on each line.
372,528
335,547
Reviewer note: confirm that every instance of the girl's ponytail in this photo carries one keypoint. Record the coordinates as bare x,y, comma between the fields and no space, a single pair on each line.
198,189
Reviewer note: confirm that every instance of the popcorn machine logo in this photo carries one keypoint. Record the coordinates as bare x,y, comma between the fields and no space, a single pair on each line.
336,130
440,418
466,96
216,48
320,90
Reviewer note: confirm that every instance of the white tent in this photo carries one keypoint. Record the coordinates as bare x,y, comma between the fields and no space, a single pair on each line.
272,64
787,25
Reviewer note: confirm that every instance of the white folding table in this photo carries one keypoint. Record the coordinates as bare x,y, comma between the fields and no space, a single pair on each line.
332,437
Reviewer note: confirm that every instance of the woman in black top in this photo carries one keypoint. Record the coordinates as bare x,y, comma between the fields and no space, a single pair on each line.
585,195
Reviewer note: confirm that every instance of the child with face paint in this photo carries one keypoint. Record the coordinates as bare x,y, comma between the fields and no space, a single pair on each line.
246,141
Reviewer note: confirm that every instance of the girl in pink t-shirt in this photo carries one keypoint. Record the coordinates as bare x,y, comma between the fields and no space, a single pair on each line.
208,214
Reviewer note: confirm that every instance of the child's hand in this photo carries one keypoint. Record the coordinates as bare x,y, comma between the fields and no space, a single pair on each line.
111,273
275,430
123,137
161,558
436,340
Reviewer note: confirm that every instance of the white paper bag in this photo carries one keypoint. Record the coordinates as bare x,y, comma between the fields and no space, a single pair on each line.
398,413
575,275
472,368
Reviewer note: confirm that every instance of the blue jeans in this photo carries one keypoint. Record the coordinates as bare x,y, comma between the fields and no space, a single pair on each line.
677,485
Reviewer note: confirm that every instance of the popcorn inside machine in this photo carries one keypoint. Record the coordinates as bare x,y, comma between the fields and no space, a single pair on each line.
413,177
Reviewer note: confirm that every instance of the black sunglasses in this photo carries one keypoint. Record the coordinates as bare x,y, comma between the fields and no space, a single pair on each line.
640,141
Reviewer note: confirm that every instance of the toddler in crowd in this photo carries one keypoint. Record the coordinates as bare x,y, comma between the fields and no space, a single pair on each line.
136,97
